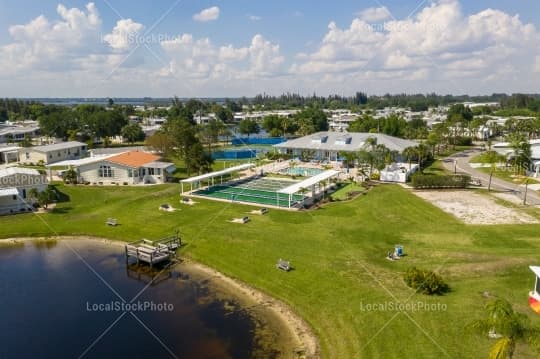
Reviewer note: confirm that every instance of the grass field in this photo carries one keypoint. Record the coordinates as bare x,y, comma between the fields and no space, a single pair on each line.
341,283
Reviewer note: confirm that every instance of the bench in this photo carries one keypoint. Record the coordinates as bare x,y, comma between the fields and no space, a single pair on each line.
111,222
242,220
283,265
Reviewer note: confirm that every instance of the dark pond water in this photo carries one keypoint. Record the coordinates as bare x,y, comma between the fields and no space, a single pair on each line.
53,305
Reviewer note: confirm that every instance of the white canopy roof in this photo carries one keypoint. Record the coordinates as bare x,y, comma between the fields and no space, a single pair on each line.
218,173
8,192
536,270
309,182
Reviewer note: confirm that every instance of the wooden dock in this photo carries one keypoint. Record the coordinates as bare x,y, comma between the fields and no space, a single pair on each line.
153,252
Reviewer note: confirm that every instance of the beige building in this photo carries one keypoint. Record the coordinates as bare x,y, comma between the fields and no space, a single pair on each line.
53,153
15,186
127,168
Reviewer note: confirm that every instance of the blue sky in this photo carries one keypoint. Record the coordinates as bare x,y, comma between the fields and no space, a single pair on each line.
247,47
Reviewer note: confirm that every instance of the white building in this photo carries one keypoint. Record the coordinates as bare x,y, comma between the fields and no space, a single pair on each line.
328,146
53,153
127,168
398,172
15,186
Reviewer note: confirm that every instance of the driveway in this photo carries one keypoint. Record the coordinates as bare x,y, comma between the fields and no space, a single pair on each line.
460,163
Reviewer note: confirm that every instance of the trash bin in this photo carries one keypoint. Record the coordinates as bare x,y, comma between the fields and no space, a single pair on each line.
399,250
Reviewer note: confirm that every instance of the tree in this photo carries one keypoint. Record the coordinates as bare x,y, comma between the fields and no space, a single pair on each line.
409,153
162,142
522,152
46,197
70,176
422,153
508,326
493,158
132,132
248,126
211,131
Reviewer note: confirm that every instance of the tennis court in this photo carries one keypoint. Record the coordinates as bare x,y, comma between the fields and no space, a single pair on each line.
261,191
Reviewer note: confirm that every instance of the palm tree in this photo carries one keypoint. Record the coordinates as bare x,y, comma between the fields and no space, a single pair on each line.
422,153
493,158
349,158
507,326
409,153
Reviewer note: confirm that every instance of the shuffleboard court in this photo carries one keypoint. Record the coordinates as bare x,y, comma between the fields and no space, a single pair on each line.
260,191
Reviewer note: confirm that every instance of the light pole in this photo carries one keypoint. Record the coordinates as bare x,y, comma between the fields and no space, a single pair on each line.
455,166
526,188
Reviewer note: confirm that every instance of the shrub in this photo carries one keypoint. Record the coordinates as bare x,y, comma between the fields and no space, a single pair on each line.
443,181
425,281
375,176
464,141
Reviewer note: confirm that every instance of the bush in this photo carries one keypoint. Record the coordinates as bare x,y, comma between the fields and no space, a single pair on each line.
425,281
444,181
464,141
375,176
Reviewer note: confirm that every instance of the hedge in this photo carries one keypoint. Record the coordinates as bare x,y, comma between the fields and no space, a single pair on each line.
443,181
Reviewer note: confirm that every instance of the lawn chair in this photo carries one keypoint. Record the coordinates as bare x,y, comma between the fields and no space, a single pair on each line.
283,265
111,222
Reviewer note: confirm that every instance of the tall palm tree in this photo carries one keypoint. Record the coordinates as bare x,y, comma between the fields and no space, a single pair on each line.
507,326
409,153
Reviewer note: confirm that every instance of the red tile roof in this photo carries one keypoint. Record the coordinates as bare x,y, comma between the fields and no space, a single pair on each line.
133,158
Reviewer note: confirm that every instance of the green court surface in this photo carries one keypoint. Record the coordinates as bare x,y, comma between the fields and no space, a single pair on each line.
260,191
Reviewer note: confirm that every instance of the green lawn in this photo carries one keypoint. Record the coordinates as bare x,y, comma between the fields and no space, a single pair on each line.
338,254
507,175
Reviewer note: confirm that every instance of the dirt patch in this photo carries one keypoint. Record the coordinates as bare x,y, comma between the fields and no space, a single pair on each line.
474,208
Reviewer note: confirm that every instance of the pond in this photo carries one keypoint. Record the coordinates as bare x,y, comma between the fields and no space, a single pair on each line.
71,298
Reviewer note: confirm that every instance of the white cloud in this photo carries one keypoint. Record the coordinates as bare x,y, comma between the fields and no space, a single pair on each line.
124,35
459,53
375,14
253,17
210,14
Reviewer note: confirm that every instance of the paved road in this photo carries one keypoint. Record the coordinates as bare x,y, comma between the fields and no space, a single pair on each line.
460,163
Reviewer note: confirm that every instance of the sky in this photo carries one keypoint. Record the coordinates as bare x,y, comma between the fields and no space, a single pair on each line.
187,48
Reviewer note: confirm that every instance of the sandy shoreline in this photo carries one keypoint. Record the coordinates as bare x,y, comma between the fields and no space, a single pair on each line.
306,343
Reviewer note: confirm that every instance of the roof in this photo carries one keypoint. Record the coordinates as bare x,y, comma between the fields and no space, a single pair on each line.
218,173
9,149
116,150
309,182
58,146
133,158
159,164
80,162
8,192
18,170
536,270
330,141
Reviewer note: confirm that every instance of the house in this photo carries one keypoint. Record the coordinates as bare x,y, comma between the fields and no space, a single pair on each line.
53,153
16,132
132,167
328,146
505,149
9,154
15,186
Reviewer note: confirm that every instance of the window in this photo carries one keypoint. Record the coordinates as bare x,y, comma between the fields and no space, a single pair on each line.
142,172
14,197
105,171
158,171
151,171
24,193
130,172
